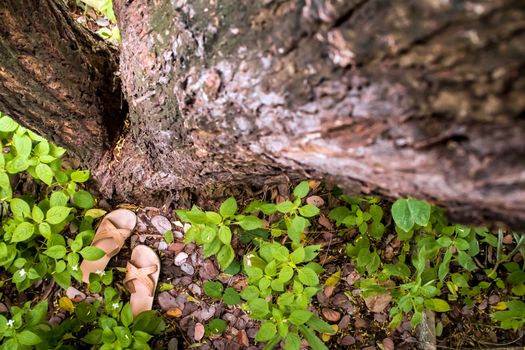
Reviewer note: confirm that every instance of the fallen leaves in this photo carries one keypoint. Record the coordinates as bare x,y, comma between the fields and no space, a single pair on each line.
331,315
378,302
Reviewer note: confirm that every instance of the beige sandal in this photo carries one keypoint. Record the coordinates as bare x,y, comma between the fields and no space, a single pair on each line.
141,278
113,230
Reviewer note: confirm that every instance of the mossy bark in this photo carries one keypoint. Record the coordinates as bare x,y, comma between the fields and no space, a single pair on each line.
57,78
401,98
392,98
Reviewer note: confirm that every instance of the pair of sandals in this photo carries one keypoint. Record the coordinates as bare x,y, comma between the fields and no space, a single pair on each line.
143,268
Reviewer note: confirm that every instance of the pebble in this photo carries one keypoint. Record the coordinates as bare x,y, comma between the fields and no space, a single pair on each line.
348,340
494,299
173,344
186,227
163,245
181,258
161,224
166,301
187,269
195,289
208,270
198,332
315,200
178,234
3,308
178,224
75,295
176,247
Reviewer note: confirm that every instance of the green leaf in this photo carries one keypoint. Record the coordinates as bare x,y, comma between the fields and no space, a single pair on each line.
58,199
319,325
213,218
213,289
309,210
23,145
298,255
17,165
41,149
266,332
466,261
56,252
250,223
308,276
225,235
461,244
23,232
83,199
7,124
92,253
44,229
28,338
126,315
299,317
296,228
258,307
311,251
231,297
37,314
123,336
37,214
168,237
438,305
20,208
314,342
301,190
285,207
225,256
217,326
63,279
228,208
293,342
250,293
44,173
285,274
408,212
80,176
56,215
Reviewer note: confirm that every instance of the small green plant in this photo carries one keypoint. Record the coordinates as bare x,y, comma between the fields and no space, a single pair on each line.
32,241
213,230
281,286
25,328
513,318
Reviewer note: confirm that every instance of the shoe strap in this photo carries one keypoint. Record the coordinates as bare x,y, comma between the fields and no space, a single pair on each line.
141,275
107,230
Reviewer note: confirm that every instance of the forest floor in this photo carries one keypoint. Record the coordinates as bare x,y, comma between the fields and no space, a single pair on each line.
362,323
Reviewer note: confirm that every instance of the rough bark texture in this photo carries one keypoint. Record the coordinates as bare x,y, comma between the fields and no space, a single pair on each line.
57,78
421,98
397,98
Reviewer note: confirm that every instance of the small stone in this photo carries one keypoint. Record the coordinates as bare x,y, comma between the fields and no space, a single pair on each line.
388,344
3,308
181,258
315,200
75,295
198,332
507,239
345,321
325,222
242,338
187,269
348,340
352,277
380,317
205,313
174,312
176,247
55,321
331,315
186,227
483,304
360,323
173,344
162,245
161,224
494,299
208,270
195,289
166,301
178,224
102,22
178,234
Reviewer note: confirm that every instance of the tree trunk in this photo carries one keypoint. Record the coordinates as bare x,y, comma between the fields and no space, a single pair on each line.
393,98
57,78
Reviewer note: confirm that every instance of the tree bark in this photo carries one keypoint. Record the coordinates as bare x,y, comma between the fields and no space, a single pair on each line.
392,98
57,78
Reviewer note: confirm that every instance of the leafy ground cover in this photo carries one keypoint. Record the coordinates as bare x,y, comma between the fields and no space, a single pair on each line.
293,267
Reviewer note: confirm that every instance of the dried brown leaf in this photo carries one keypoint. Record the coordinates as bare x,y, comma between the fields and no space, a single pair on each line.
378,302
331,315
